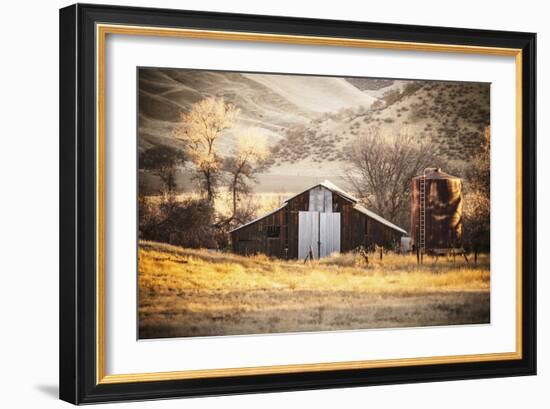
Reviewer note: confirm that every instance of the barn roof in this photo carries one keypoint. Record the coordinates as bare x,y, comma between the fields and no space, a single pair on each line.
332,187
378,218
259,218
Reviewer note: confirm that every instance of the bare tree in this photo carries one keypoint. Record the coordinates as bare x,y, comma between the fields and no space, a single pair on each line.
477,202
381,168
200,129
479,170
246,160
476,217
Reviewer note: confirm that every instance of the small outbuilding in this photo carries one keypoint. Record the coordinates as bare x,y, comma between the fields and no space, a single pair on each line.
323,219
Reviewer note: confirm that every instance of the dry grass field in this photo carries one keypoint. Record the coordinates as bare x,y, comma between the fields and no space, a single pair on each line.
186,292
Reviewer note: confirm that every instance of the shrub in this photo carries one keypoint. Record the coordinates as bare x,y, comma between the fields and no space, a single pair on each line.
187,223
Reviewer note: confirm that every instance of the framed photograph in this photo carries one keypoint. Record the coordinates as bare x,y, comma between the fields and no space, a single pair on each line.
257,204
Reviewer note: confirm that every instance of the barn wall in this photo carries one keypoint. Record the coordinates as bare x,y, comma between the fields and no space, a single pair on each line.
381,235
343,206
356,229
260,238
352,228
338,203
360,230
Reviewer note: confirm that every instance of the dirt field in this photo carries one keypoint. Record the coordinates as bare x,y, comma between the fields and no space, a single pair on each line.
184,292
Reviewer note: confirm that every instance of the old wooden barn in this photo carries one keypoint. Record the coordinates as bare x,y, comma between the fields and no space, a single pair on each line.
323,218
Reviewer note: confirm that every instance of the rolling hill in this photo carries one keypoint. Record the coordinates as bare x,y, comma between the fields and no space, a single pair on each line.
273,103
452,115
311,121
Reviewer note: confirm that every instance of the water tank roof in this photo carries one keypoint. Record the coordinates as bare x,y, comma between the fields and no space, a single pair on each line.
435,173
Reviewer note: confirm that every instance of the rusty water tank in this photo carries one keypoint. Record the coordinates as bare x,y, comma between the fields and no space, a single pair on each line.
436,210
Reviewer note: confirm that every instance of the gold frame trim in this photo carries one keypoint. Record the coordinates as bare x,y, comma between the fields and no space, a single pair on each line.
102,30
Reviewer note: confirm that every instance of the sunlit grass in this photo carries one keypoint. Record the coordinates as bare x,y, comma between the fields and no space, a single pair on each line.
168,268
188,292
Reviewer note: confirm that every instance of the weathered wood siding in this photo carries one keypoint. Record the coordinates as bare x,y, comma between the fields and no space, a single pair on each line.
352,227
381,235
265,236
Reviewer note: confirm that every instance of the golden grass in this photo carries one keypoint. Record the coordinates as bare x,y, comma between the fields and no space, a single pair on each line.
185,292
168,268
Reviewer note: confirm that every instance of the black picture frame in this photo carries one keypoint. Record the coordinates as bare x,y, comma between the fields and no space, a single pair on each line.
78,198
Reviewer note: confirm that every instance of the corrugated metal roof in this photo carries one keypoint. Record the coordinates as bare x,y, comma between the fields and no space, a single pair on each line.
332,187
258,218
378,218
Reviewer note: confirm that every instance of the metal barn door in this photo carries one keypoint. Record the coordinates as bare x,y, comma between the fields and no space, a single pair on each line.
319,232
329,232
308,234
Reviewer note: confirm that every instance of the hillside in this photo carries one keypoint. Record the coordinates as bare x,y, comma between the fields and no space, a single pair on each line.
310,121
273,103
452,115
